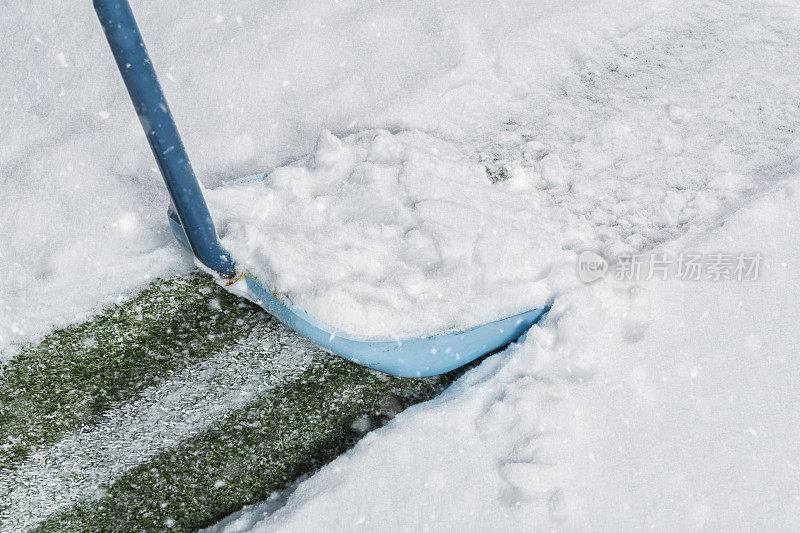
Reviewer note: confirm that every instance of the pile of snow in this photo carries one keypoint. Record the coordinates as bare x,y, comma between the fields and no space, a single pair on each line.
392,235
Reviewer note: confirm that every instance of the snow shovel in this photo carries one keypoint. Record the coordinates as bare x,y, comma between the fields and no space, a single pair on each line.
192,225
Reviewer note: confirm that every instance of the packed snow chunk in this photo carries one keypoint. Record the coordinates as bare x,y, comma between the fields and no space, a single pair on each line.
391,235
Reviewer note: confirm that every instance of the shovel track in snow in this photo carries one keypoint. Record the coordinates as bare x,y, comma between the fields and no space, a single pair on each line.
174,409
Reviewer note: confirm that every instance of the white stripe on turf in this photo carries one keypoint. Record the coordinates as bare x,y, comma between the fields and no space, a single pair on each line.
77,466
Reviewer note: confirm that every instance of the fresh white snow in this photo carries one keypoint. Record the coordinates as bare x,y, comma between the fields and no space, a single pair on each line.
665,405
620,126
670,405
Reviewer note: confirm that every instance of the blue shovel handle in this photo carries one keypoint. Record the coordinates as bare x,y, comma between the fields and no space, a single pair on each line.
148,99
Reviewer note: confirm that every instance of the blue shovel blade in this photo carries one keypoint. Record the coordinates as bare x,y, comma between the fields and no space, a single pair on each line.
418,357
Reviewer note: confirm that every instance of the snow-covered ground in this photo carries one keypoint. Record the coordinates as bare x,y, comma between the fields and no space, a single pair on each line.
665,405
614,126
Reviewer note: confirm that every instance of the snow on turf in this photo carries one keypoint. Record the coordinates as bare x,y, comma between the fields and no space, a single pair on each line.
393,235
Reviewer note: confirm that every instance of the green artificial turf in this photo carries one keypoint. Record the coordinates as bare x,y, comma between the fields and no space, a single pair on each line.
78,377
256,450
73,376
